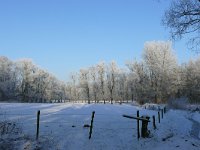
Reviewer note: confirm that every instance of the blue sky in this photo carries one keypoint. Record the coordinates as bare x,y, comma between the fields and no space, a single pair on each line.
63,36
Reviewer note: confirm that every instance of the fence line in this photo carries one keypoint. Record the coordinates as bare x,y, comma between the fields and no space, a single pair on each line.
33,114
78,123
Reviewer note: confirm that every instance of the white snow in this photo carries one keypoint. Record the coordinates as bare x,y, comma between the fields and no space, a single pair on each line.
111,131
196,116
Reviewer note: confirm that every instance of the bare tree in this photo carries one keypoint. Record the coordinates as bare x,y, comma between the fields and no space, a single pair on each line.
183,17
93,74
161,66
112,71
27,70
101,78
84,83
41,83
8,78
192,80
74,78
140,81
122,85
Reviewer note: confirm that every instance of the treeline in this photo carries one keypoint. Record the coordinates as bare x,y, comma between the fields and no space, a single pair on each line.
23,81
156,78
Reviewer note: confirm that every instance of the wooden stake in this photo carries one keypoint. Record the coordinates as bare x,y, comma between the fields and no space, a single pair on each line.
159,116
154,122
164,109
138,124
144,129
91,124
38,124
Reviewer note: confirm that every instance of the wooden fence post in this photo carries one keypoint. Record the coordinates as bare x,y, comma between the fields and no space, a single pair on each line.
145,120
38,124
138,125
162,113
144,129
154,122
91,125
159,116
164,109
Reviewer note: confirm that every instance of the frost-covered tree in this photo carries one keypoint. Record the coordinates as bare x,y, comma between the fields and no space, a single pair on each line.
101,79
26,76
94,82
69,90
84,78
192,80
161,68
122,86
112,72
8,79
41,85
25,82
72,87
139,81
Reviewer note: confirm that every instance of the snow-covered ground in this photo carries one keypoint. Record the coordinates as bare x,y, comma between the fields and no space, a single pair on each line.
61,127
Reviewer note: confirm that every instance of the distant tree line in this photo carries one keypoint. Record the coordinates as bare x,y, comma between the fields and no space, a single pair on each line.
156,78
23,81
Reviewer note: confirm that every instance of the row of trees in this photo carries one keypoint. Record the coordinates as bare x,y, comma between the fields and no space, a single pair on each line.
25,82
156,78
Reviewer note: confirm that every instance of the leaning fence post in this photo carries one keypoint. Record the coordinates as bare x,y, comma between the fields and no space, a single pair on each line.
154,122
91,125
159,116
38,124
138,124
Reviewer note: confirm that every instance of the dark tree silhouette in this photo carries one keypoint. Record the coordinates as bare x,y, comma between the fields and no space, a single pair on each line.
183,17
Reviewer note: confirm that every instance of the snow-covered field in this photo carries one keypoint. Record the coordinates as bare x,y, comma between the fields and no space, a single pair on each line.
61,128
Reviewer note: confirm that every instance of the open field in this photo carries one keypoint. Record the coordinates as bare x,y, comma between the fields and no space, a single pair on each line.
61,127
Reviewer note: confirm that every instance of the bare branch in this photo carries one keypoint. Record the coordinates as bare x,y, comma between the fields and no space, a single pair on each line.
183,17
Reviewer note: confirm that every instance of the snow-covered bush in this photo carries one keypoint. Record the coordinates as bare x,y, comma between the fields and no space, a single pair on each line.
179,103
151,106
183,103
